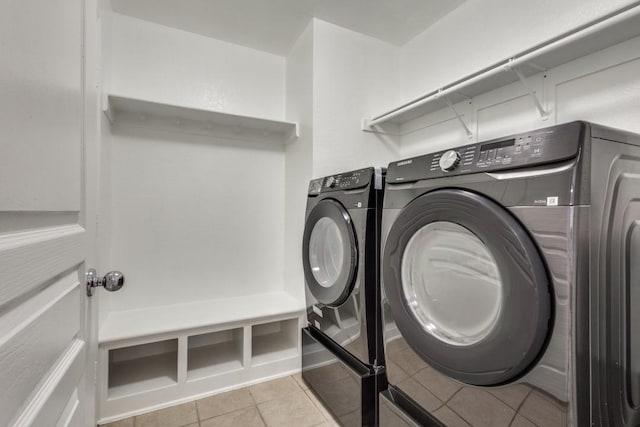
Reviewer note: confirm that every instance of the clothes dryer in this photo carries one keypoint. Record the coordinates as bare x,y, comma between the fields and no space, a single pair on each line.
511,282
342,351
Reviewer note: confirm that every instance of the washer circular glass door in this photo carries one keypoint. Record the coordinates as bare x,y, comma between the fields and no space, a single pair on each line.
326,254
330,253
467,286
451,283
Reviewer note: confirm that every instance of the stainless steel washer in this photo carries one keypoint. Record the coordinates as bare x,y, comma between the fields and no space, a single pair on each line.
510,288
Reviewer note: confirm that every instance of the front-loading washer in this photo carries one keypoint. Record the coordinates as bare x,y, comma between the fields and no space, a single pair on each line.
342,350
511,282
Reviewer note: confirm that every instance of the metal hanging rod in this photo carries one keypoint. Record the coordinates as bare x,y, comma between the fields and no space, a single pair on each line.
611,20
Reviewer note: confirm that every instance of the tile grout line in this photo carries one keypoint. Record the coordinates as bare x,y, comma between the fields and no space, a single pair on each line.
520,406
453,410
195,402
260,415
255,405
321,410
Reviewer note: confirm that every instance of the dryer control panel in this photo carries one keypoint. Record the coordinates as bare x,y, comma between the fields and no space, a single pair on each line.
548,145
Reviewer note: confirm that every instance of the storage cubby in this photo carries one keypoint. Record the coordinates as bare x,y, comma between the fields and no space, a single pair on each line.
214,353
274,341
142,368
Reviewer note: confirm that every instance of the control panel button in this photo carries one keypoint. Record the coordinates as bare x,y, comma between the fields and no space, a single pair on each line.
449,160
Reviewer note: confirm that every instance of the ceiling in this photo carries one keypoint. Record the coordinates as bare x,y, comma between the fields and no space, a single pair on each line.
274,25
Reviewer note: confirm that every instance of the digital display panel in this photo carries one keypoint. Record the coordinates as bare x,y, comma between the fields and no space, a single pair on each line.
499,144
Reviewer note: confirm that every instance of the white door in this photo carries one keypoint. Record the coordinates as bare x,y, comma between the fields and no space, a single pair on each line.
47,213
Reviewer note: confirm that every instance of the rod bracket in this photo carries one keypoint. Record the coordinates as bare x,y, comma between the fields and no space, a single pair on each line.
544,115
458,116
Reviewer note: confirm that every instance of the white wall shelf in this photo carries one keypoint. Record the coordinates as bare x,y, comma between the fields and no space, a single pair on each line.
175,118
592,37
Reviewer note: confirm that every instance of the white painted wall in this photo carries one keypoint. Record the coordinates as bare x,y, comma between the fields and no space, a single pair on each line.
193,219
189,217
480,33
334,78
299,156
354,76
150,61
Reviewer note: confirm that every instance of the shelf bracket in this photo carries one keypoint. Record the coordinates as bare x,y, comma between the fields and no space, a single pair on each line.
458,116
544,115
106,108
377,129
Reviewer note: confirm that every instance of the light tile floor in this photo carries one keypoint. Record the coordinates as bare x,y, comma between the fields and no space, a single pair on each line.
282,402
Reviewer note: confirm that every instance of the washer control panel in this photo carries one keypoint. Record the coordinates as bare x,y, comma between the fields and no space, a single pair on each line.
542,146
344,181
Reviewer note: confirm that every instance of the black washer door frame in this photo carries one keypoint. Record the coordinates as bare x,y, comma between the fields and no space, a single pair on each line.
526,316
339,291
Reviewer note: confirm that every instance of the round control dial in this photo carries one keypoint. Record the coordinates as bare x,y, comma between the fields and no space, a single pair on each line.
331,182
449,160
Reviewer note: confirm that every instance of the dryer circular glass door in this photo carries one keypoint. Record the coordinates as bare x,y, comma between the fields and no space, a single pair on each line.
330,253
467,287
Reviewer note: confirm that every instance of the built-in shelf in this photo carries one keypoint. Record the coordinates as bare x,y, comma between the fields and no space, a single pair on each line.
125,325
216,124
141,368
274,341
214,353
162,370
159,356
592,37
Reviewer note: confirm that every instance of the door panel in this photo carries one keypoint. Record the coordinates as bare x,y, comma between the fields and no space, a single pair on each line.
50,322
58,398
41,108
48,116
28,259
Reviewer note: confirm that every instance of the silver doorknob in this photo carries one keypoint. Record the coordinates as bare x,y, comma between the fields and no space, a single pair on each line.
112,281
